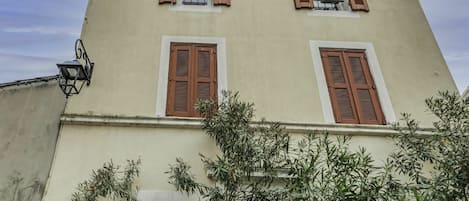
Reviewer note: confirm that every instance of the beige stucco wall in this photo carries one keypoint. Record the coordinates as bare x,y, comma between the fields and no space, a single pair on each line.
82,148
29,124
268,59
267,47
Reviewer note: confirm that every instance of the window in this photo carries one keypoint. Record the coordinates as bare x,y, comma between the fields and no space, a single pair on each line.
192,77
351,87
338,5
194,2
220,64
198,2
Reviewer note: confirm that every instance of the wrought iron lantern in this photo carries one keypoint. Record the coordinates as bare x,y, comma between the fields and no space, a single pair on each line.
74,74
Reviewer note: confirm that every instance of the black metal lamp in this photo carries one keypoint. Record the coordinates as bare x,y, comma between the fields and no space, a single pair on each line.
74,74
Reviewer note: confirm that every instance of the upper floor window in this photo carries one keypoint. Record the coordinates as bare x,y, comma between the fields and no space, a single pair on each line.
198,2
195,2
192,77
338,5
352,91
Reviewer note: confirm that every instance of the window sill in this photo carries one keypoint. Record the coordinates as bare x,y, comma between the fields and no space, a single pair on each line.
324,13
196,123
195,8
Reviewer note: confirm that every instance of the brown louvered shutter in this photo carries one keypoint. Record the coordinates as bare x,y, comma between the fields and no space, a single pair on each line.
353,94
205,75
359,5
303,4
192,76
339,89
363,88
222,2
178,103
167,1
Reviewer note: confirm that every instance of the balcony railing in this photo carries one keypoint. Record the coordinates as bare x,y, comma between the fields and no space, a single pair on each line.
340,5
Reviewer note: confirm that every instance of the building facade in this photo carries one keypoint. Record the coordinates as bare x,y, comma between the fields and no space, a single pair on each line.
349,67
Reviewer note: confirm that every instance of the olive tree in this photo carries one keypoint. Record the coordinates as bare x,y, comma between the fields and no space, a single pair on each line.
436,163
110,182
259,163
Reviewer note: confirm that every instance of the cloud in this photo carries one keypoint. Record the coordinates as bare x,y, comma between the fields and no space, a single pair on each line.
15,67
42,30
67,10
459,66
460,70
457,57
438,11
27,41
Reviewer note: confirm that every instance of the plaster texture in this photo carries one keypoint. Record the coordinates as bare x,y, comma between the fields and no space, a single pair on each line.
29,125
267,45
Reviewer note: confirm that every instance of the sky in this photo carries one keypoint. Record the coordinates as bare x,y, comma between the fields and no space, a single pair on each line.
35,35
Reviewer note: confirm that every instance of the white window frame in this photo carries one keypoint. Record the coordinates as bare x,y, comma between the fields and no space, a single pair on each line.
179,6
162,90
375,69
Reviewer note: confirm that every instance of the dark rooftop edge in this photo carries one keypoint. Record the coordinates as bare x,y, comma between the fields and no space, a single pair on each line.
30,81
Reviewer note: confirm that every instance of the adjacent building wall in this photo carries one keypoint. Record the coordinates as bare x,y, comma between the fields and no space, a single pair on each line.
29,123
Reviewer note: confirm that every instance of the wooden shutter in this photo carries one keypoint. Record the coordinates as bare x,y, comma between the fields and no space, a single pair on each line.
359,5
303,4
167,1
222,2
339,89
353,94
178,101
363,87
205,79
192,76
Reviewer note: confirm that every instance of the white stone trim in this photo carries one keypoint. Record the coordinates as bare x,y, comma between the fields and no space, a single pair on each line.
375,69
326,13
209,8
222,79
196,123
